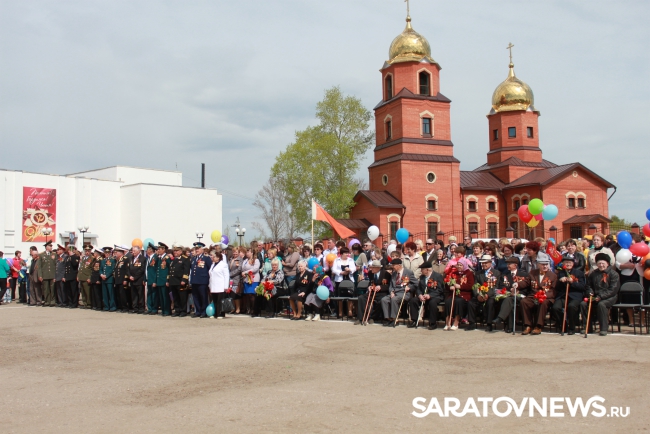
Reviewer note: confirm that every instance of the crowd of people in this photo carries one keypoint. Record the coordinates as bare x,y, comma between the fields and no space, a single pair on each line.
497,284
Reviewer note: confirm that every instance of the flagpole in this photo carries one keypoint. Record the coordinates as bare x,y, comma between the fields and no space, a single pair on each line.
312,235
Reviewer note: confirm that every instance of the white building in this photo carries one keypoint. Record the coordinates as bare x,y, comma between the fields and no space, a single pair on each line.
117,204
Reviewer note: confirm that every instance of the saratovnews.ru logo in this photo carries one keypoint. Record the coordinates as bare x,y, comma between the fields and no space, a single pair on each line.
526,407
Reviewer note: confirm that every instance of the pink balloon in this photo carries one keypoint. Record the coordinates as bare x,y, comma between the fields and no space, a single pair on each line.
352,242
539,217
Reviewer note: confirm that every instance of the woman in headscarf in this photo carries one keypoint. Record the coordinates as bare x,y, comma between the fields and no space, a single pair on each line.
463,278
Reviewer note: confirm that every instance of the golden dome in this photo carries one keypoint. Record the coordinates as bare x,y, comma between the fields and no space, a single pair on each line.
512,94
409,46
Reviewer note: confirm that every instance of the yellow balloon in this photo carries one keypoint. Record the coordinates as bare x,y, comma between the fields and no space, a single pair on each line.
216,236
136,242
533,222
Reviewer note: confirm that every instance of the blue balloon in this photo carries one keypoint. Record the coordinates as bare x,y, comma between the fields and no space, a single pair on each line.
312,263
323,292
647,214
402,235
624,239
146,243
209,311
550,212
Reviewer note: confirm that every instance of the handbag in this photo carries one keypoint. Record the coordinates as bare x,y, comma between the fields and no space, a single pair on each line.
281,290
226,305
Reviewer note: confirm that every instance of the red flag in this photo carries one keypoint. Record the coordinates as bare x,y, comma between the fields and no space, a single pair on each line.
553,253
318,213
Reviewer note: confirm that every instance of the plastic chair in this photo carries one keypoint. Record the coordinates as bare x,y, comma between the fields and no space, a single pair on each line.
629,288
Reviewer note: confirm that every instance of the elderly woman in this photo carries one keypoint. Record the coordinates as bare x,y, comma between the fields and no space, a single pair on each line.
270,255
275,276
219,282
463,276
250,274
439,262
599,247
235,275
313,303
301,290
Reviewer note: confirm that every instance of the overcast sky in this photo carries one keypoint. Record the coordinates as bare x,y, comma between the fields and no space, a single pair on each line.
172,84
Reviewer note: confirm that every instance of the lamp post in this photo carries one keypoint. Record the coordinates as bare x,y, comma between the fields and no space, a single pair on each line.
240,233
199,235
83,230
47,232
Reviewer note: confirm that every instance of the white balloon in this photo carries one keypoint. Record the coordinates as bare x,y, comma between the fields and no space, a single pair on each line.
373,233
391,248
623,256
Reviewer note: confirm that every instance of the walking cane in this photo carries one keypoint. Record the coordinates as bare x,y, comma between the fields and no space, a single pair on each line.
588,316
514,314
421,307
566,303
400,308
366,310
451,311
367,314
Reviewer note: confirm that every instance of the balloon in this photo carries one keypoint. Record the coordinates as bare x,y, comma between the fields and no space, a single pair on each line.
646,230
533,223
536,206
639,249
224,246
524,213
352,242
646,273
312,263
136,242
647,214
647,263
148,241
550,212
215,236
209,311
323,292
623,256
390,249
330,258
402,235
225,239
624,239
539,217
373,233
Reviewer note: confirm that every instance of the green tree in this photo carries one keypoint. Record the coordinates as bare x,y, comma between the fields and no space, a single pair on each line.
322,161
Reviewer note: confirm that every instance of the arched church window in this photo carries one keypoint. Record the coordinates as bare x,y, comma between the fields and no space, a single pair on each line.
424,83
389,87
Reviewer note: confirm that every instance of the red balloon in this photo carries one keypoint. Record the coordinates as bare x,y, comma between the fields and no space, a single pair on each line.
524,214
639,249
646,230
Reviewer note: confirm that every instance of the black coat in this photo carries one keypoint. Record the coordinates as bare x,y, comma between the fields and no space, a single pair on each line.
603,284
137,267
435,289
304,283
179,271
95,276
71,264
383,280
576,288
121,271
481,278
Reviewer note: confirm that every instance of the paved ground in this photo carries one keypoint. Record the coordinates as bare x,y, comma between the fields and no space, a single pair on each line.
66,371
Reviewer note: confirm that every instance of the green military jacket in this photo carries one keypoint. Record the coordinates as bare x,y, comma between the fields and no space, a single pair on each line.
46,265
163,270
106,268
85,268
152,266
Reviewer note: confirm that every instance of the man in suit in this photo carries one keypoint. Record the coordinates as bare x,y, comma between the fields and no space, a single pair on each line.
70,283
572,277
121,274
541,279
35,288
46,270
162,272
200,275
430,292
59,276
178,281
429,255
603,285
137,266
379,283
402,286
96,281
489,276
86,264
515,282
107,274
152,291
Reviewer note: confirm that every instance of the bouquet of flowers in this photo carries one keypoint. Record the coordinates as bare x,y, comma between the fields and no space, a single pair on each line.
265,289
451,281
249,277
501,294
540,296
484,289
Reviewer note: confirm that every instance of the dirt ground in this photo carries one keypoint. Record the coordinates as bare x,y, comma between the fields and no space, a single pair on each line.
65,371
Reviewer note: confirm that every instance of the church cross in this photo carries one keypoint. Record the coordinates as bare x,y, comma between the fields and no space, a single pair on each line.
509,47
408,11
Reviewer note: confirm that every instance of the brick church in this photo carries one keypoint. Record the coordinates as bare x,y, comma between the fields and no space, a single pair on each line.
416,181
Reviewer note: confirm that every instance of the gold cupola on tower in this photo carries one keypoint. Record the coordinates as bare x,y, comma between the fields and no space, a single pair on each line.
409,46
512,94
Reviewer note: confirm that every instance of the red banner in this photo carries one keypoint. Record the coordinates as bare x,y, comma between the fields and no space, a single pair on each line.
39,212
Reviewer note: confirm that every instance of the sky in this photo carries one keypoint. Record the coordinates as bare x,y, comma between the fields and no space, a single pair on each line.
173,84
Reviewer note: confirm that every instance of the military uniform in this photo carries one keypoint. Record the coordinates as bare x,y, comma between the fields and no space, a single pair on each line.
86,265
178,279
46,270
106,271
96,282
200,274
70,283
152,292
162,285
137,266
121,274
59,275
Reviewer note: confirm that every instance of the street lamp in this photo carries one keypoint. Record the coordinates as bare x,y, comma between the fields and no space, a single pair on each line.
47,232
199,235
83,230
240,233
